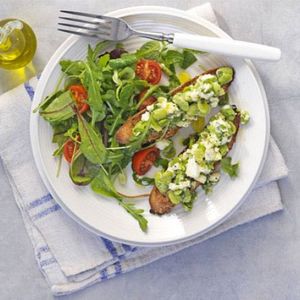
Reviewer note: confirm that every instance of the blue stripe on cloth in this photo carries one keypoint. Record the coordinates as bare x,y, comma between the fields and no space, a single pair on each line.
40,201
127,248
29,89
43,249
103,274
110,247
47,262
118,268
46,212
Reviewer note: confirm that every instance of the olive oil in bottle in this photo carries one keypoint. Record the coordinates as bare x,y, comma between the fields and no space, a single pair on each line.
17,44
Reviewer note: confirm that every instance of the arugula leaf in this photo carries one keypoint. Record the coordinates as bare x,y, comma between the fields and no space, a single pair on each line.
70,67
136,213
91,142
59,109
102,185
228,167
150,50
188,59
81,170
94,99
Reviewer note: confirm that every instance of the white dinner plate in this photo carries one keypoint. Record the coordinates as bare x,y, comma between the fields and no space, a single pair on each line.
104,216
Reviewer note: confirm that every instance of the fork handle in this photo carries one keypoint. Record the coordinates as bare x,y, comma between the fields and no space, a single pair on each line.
226,46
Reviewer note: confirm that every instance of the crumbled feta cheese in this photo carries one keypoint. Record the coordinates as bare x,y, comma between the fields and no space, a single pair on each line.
192,168
212,154
221,126
207,96
201,179
161,145
145,116
179,186
206,87
193,95
214,140
214,101
150,107
205,77
224,140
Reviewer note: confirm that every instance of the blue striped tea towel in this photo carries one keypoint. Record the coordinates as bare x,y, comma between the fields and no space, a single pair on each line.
69,265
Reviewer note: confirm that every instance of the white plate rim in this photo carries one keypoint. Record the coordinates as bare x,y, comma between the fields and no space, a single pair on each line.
42,83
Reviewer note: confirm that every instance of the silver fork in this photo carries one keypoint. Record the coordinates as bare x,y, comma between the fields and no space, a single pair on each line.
115,29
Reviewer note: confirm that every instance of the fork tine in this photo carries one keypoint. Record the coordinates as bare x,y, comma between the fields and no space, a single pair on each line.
87,15
91,29
103,24
100,36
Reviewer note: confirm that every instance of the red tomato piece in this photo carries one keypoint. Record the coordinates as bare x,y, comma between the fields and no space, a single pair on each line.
80,95
143,160
69,148
148,70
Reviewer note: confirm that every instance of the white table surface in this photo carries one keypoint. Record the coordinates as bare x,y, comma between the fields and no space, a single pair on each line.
260,260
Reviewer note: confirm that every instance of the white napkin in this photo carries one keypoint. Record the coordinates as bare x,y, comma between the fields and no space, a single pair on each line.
69,265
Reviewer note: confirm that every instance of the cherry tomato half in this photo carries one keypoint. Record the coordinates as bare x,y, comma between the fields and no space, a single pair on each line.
80,95
69,148
143,160
148,101
148,70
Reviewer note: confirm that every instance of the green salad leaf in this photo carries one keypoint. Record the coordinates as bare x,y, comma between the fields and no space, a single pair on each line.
126,94
150,50
228,167
102,185
71,67
188,59
82,171
94,96
173,57
91,142
60,108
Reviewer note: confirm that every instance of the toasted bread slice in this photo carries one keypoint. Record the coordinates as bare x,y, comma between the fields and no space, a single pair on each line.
160,203
124,133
